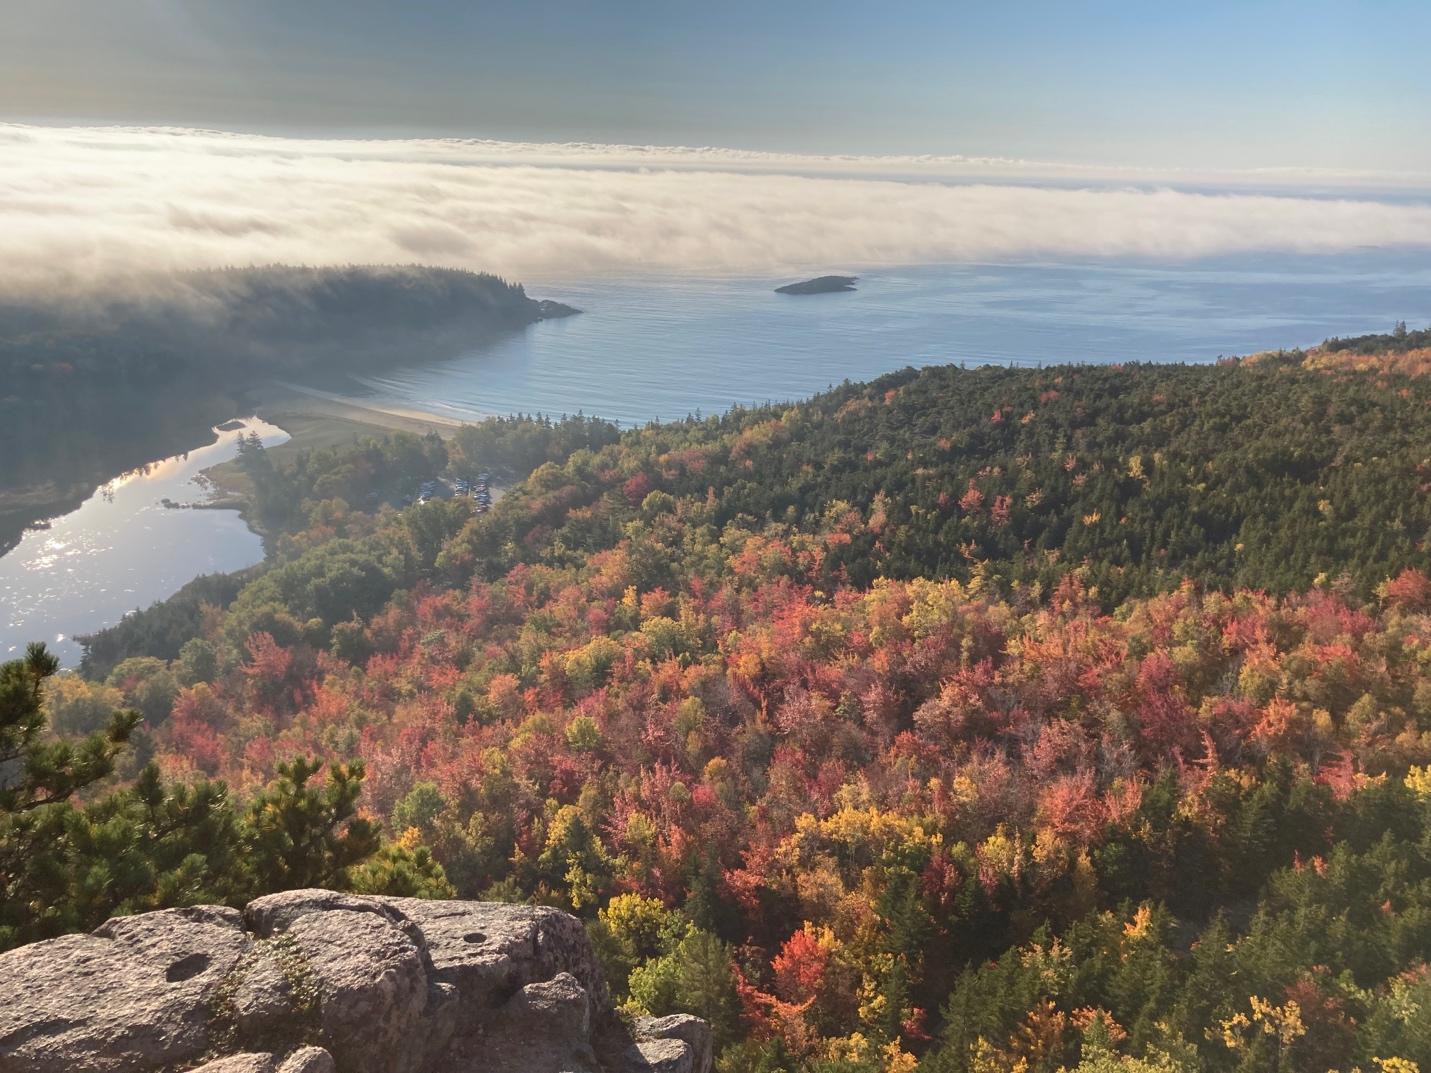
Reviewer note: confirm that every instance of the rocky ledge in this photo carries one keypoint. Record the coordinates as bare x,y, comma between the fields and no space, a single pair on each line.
313,981
549,310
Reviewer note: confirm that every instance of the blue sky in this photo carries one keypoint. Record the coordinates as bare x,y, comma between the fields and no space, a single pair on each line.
1205,84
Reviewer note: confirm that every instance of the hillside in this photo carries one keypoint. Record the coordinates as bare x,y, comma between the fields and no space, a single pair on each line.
990,719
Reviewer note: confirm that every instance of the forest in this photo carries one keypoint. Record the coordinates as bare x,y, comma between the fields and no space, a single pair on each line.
275,318
966,721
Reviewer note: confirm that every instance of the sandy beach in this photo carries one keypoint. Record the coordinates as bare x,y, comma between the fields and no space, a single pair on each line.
322,418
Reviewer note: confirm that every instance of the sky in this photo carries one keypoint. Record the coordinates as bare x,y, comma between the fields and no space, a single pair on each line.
1250,84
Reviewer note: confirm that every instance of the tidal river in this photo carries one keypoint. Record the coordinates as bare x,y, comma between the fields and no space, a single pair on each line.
123,549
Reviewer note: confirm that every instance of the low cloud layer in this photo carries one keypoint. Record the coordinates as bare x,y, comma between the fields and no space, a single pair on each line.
98,204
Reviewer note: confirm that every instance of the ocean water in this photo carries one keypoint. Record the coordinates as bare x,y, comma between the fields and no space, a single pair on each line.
660,348
122,549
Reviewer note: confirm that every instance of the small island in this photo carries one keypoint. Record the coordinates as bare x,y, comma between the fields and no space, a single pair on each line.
820,285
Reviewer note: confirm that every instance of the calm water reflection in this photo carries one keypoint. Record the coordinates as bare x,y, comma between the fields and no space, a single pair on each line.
123,549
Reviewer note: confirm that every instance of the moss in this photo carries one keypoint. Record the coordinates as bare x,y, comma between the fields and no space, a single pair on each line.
298,1027
302,981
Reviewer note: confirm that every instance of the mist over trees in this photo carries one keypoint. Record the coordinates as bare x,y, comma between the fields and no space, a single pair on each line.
100,380
274,318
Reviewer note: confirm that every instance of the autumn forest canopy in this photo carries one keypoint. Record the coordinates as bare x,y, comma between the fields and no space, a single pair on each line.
967,720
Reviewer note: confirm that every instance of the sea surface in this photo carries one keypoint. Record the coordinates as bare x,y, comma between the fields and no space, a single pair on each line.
123,549
659,348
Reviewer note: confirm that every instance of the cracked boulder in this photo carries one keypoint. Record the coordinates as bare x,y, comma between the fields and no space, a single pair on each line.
316,981
137,993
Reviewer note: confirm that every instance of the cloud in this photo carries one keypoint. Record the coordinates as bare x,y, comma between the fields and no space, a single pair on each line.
85,204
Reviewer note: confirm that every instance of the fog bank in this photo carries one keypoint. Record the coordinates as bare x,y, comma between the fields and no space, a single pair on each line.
81,204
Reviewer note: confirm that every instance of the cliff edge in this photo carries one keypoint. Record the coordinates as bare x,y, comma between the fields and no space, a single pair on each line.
314,981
